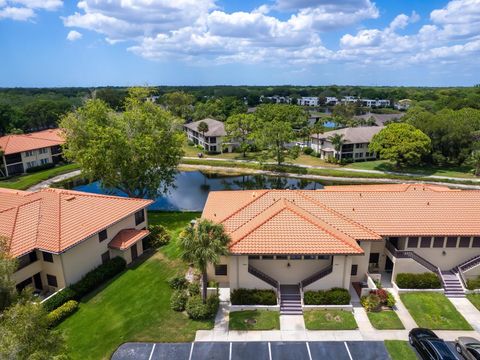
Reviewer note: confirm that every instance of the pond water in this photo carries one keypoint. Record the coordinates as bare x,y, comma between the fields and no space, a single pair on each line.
192,188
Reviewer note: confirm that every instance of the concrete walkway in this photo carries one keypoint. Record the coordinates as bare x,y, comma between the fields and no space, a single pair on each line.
468,311
47,183
402,311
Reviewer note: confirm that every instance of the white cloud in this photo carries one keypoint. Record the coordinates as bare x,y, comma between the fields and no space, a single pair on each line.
74,35
15,13
40,4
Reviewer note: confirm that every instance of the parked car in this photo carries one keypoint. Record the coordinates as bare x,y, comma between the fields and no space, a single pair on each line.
429,345
468,347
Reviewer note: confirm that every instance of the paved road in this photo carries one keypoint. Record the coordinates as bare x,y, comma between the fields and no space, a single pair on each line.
275,350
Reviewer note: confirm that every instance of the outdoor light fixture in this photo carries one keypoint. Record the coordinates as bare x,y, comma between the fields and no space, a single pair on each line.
444,253
288,264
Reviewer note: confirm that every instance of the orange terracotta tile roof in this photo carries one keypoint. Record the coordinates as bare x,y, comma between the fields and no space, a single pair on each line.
12,144
333,219
54,220
126,238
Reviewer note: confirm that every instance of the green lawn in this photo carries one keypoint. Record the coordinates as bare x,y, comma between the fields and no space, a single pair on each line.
329,320
23,182
400,350
254,320
135,306
385,320
434,311
474,299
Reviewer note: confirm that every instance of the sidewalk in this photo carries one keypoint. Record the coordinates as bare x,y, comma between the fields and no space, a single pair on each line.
468,311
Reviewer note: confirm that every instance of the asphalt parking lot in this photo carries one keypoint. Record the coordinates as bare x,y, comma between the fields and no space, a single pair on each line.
275,350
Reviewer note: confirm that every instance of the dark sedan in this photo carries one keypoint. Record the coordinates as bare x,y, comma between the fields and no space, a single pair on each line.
429,345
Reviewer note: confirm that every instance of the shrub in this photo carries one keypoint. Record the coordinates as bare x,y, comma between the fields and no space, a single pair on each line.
385,297
418,281
40,167
334,296
178,300
194,289
371,302
253,297
213,284
159,236
58,299
178,282
308,150
56,316
473,284
197,310
98,276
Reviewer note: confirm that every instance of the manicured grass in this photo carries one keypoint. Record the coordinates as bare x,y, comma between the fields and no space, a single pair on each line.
400,350
474,299
385,320
329,320
434,311
254,320
135,306
23,182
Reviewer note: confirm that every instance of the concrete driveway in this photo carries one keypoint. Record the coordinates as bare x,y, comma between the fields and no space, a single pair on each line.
275,350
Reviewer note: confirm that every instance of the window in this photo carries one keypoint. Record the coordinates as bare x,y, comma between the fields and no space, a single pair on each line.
308,257
281,257
476,242
267,257
52,280
221,270
105,257
43,161
43,150
253,257
29,153
374,259
295,257
425,242
438,242
26,260
354,270
102,235
464,242
412,242
139,217
451,242
48,257
358,146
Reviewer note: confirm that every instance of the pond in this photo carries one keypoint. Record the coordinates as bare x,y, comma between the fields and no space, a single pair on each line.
192,188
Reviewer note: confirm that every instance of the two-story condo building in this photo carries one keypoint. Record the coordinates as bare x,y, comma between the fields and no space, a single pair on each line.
59,235
308,101
355,143
319,239
212,140
24,151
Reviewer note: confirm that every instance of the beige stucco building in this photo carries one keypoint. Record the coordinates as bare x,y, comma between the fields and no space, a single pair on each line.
59,235
340,235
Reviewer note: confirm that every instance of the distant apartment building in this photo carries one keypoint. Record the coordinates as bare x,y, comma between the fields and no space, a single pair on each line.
212,140
275,99
375,102
58,236
403,104
21,152
331,100
354,147
349,100
308,101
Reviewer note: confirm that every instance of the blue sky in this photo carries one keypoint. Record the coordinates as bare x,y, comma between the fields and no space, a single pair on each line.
269,42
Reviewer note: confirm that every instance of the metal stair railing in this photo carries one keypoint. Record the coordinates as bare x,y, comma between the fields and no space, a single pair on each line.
262,276
317,276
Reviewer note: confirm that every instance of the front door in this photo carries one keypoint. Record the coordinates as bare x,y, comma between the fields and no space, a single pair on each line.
388,264
37,279
134,252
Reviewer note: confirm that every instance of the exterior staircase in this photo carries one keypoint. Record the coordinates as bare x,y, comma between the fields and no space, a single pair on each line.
290,300
452,285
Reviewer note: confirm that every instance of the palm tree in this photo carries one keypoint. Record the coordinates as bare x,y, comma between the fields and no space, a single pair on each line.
203,244
203,128
337,142
318,128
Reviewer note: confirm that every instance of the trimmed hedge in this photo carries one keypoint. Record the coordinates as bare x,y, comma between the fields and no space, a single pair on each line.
473,284
89,282
253,297
334,296
40,168
56,316
197,310
418,281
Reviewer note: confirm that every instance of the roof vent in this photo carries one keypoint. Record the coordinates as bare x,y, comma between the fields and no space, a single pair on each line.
70,198
353,209
215,214
428,202
254,194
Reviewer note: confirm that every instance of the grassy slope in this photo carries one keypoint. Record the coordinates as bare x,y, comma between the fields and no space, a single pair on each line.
400,350
434,311
135,306
385,320
329,320
25,181
265,320
474,299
